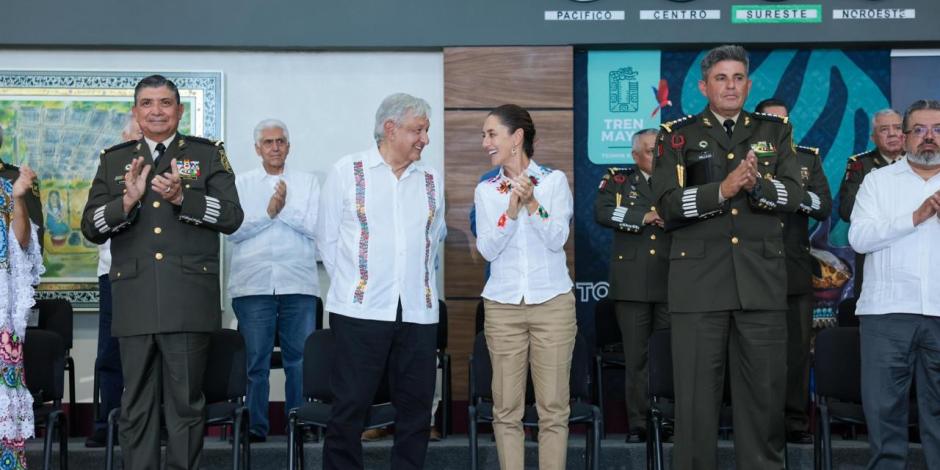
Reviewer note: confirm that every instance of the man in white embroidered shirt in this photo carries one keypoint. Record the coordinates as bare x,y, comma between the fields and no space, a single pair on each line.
273,281
895,223
381,218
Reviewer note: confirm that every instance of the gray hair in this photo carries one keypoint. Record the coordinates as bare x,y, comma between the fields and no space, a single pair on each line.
919,105
271,124
726,52
882,113
641,133
396,107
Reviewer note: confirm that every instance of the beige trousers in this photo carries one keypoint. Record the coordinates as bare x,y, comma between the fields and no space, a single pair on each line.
540,335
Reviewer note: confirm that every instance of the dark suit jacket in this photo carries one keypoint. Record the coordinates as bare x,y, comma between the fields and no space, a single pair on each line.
796,224
639,257
165,259
725,255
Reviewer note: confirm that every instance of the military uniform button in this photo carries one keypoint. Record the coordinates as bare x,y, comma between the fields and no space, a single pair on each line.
156,204
734,240
157,230
781,224
730,156
187,186
734,211
682,254
158,256
652,208
620,257
118,274
652,252
125,190
653,236
205,268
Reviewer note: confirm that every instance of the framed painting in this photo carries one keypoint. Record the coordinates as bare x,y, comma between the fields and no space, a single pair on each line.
58,122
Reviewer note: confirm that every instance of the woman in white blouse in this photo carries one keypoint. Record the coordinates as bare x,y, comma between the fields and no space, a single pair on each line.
523,217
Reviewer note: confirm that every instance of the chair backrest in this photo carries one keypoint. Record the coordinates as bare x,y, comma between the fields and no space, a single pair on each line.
44,365
660,365
838,364
56,315
225,377
442,326
318,323
846,314
482,372
480,317
606,329
318,360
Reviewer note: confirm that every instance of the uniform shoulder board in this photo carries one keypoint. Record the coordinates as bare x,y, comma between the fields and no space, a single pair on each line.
807,149
614,170
678,123
201,140
771,117
119,146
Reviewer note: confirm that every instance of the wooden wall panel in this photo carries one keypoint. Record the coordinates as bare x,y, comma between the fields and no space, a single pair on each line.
485,77
475,81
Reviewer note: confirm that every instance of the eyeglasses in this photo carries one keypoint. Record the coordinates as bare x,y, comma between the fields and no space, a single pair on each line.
921,131
268,143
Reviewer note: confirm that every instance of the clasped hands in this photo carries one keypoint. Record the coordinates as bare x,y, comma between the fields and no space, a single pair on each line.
745,176
168,185
927,209
278,199
522,195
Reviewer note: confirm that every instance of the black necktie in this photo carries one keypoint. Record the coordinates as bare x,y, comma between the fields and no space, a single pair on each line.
729,127
158,152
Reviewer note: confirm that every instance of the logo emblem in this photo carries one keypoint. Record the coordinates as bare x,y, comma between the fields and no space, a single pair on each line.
624,91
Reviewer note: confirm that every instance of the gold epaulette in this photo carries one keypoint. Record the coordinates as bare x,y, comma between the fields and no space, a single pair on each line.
772,117
678,123
119,146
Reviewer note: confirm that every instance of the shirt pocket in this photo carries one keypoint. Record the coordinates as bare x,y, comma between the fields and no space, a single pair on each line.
200,265
773,247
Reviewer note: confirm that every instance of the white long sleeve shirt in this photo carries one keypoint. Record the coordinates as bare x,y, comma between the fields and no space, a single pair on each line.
275,256
527,255
902,262
378,236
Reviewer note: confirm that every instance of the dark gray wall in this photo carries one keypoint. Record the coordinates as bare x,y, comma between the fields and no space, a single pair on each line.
379,24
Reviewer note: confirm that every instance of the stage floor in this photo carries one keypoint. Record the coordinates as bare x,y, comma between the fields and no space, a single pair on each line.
453,453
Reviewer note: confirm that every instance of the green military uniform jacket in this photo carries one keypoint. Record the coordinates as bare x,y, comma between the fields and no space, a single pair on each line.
33,204
796,225
856,168
725,255
639,257
164,258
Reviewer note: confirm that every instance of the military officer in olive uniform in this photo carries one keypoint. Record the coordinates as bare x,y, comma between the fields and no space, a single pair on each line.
720,179
888,137
164,229
638,268
800,298
33,205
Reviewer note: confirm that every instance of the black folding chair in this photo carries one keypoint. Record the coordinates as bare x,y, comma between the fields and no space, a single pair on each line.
480,409
44,368
838,366
443,362
56,315
608,349
318,361
224,384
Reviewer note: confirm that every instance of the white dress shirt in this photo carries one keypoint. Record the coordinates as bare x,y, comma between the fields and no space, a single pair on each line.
275,256
378,237
104,258
526,255
902,262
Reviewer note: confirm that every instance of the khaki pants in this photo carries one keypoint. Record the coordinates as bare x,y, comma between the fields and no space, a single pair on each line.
541,335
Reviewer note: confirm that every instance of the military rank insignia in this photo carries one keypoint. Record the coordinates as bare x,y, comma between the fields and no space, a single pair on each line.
188,169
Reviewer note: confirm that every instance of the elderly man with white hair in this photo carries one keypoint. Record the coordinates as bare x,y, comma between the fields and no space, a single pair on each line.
895,223
381,219
273,282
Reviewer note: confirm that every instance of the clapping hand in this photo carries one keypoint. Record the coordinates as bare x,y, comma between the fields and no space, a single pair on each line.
278,199
169,185
927,209
743,177
652,217
135,182
24,183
